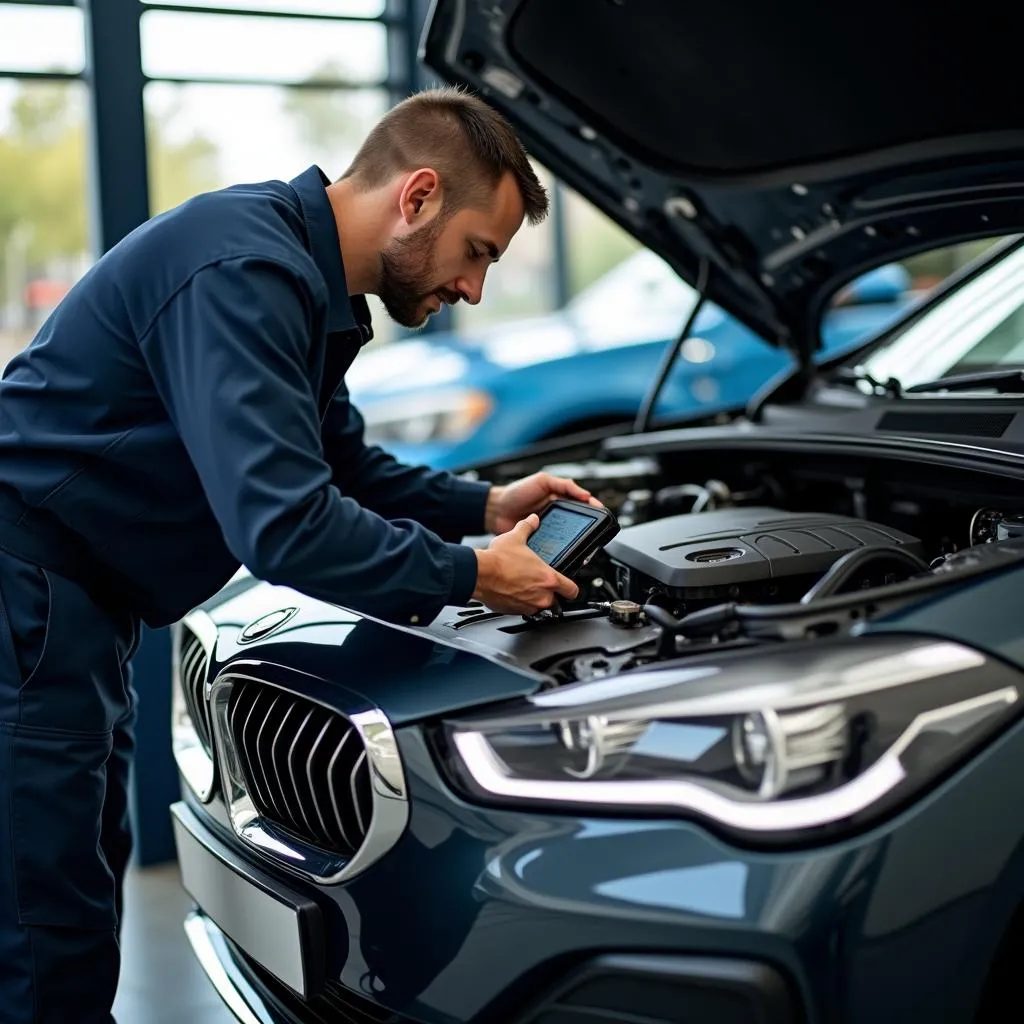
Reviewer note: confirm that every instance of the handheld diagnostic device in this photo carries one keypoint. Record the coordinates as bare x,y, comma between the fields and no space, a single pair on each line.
570,532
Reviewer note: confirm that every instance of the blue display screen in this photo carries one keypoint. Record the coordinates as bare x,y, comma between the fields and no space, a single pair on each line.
557,530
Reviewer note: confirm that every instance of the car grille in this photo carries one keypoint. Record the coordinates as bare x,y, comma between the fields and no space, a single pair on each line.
195,663
305,766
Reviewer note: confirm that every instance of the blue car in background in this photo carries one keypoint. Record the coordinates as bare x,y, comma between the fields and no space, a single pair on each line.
448,400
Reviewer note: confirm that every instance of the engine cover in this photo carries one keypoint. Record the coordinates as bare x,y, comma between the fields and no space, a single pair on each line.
756,553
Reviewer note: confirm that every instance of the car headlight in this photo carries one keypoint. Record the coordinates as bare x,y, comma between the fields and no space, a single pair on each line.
768,744
421,418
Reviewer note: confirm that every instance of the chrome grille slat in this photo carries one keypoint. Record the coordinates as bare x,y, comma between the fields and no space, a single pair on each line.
194,665
254,774
192,656
353,782
261,755
317,804
304,766
280,776
275,714
334,798
293,776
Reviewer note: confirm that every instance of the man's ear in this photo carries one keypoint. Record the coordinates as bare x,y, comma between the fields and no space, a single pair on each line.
420,197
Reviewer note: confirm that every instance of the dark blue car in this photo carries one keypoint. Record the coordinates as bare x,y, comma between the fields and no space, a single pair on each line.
449,400
765,770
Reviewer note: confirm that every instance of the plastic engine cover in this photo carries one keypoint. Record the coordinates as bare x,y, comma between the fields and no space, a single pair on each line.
731,547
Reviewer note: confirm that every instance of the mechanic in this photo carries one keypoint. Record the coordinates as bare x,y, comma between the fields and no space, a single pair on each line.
184,412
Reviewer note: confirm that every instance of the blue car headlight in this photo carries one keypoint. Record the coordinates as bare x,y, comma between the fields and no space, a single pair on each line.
769,744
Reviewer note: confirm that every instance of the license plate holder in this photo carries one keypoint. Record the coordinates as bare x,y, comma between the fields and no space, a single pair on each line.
279,928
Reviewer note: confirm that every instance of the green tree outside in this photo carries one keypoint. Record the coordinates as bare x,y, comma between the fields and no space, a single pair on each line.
43,174
324,117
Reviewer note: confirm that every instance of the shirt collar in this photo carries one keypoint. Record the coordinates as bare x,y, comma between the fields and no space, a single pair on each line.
344,312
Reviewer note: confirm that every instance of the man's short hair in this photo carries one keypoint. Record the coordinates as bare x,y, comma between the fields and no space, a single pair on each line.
468,143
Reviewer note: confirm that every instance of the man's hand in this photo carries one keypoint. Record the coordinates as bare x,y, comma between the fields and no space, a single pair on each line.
509,505
513,579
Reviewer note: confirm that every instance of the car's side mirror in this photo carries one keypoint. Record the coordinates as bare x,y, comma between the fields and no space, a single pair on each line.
883,284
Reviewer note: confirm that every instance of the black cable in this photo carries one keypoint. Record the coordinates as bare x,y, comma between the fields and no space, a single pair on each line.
845,568
702,497
669,628
643,417
710,621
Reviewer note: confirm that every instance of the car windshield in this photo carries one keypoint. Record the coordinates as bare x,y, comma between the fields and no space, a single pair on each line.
976,328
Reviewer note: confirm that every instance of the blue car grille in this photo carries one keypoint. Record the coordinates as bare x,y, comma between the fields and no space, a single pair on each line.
305,766
194,665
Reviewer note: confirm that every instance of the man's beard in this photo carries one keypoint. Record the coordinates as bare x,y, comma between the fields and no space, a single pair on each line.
406,275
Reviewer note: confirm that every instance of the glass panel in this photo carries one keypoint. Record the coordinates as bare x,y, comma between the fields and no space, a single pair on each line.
207,136
223,46
351,8
44,243
41,38
203,137
978,326
521,283
596,243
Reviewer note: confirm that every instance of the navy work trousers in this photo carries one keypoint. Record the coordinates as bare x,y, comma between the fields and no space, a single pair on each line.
66,744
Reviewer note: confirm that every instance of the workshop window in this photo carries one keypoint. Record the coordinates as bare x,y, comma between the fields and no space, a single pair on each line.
44,236
39,39
233,47
337,8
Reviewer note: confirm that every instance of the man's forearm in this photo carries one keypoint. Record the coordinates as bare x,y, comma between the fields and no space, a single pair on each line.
449,507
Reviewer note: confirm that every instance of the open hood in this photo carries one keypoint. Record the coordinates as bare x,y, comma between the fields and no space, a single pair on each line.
791,146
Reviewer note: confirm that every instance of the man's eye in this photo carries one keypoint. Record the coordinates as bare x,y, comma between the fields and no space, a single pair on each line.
474,254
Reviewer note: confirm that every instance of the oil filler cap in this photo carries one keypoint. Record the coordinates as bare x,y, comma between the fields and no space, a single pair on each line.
624,613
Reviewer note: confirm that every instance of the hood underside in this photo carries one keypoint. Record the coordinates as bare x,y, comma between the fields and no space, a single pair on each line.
791,146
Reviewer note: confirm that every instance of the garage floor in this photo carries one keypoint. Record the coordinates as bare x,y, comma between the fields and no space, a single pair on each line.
161,982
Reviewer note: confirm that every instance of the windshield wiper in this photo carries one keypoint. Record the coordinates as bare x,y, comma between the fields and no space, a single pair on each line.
1006,381
890,388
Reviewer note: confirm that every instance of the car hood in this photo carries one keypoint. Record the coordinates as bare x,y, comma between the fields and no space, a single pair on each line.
408,672
790,147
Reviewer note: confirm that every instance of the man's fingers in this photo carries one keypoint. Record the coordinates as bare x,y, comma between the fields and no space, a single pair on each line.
569,488
573,490
560,485
565,586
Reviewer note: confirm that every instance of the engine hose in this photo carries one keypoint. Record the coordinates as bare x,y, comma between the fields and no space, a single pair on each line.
853,562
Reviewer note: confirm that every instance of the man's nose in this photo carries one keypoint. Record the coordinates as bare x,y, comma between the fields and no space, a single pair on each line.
471,288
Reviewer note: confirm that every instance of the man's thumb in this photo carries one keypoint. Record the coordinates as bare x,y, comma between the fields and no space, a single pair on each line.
526,526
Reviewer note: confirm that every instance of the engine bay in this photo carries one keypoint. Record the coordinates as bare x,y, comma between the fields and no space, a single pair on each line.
760,553
742,554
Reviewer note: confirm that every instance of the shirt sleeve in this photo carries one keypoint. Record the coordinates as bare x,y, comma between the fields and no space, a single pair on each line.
444,503
229,355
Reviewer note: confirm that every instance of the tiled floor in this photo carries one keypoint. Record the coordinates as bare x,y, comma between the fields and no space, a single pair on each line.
161,982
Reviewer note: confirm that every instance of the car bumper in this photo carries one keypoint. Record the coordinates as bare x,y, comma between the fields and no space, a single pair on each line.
611,987
494,915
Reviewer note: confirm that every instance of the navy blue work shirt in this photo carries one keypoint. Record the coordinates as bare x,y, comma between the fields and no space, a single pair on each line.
184,411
